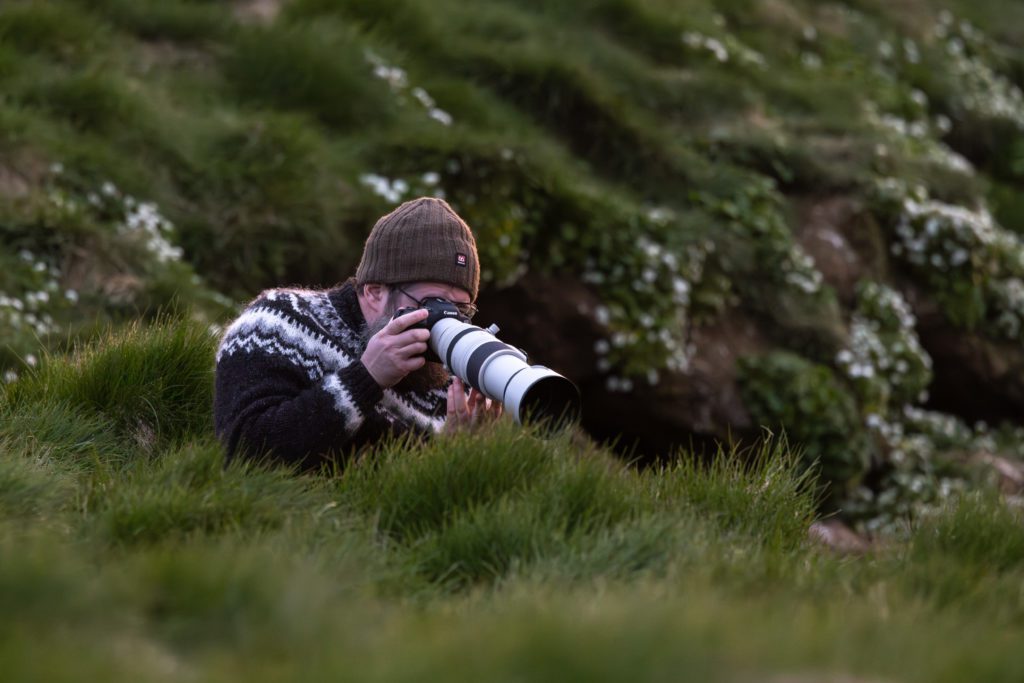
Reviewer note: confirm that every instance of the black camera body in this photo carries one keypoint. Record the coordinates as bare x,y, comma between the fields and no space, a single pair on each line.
437,309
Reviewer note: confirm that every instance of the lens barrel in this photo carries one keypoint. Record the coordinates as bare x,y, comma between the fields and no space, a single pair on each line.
502,373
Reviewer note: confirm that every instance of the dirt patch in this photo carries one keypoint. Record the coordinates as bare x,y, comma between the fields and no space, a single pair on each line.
257,11
845,240
836,536
827,229
20,174
168,54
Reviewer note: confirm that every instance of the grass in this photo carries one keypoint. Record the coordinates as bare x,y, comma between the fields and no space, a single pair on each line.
491,554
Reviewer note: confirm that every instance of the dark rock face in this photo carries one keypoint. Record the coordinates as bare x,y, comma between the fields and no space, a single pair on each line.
975,377
551,320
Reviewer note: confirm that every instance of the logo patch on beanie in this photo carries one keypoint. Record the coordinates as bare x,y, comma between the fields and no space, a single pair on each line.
460,260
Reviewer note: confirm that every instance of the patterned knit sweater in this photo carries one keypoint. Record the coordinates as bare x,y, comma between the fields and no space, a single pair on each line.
290,382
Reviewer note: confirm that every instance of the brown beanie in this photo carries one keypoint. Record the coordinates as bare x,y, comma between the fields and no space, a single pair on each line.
423,240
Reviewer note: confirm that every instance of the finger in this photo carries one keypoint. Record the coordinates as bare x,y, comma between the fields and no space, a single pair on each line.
451,422
414,349
461,405
478,401
403,321
410,337
473,403
413,364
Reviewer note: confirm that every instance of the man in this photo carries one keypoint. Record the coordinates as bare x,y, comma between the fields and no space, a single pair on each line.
305,375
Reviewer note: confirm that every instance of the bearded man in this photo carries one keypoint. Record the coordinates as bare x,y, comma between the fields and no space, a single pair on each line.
305,376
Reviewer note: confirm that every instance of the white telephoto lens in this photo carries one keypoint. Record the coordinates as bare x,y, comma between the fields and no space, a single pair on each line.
503,374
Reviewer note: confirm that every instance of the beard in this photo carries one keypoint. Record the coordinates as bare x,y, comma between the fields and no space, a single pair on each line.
428,378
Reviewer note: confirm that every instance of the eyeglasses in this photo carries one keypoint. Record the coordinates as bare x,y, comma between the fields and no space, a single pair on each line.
465,309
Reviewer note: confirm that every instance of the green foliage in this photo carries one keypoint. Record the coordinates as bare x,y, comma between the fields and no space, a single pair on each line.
769,271
284,221
764,491
318,69
152,383
188,492
185,21
981,532
57,29
30,489
783,390
91,102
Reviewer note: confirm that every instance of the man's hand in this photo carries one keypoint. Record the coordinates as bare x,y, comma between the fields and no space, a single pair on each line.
395,351
465,410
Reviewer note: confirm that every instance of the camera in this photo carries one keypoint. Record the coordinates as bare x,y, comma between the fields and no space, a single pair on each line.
437,309
499,370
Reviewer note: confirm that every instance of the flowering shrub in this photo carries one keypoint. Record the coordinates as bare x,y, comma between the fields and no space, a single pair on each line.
918,137
119,220
723,49
31,302
79,251
884,360
921,470
398,80
979,89
972,264
755,220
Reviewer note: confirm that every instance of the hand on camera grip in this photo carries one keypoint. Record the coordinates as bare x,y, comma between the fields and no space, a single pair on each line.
396,350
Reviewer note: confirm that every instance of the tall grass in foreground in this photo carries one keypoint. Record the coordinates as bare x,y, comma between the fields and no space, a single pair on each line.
493,554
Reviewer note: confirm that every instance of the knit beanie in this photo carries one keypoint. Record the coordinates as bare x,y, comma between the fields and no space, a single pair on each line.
423,240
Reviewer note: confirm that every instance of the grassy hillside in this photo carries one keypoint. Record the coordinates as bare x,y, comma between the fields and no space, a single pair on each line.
740,213
128,552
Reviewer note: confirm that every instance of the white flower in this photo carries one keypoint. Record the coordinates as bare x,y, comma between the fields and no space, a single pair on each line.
423,97
810,60
441,116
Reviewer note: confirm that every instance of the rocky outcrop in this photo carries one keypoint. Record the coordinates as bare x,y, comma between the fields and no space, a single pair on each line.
550,318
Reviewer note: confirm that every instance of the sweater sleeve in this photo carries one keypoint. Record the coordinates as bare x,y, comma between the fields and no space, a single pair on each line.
265,404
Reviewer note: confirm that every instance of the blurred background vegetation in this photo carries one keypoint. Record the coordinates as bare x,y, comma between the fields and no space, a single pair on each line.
713,215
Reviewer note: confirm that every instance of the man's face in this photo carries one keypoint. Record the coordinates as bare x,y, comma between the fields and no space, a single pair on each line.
431,375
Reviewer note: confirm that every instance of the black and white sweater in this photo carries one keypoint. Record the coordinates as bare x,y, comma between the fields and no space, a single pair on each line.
290,382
